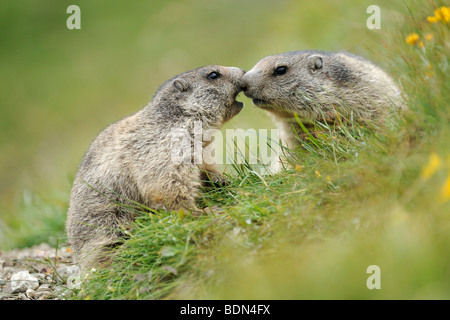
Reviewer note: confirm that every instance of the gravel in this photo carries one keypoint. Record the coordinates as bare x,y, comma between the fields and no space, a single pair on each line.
37,273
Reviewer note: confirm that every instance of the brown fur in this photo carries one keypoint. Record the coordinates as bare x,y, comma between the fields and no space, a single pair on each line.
130,161
321,85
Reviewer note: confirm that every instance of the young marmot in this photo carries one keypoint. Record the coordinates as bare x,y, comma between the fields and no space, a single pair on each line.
132,160
320,85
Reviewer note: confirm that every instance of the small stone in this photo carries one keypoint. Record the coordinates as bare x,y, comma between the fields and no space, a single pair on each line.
66,271
40,277
8,271
61,291
22,296
30,293
42,295
44,287
23,280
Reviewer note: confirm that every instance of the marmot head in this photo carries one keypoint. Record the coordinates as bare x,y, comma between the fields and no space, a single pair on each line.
315,84
206,94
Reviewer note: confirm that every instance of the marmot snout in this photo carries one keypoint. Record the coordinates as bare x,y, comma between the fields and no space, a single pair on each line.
131,160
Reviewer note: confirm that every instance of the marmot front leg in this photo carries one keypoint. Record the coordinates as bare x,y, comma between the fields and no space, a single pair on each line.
212,177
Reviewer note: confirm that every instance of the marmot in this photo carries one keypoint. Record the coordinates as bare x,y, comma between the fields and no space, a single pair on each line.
131,160
320,85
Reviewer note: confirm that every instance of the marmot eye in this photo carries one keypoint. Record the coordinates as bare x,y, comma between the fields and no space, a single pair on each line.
214,75
280,71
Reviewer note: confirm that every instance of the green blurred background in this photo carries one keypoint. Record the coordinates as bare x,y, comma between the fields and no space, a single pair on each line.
61,87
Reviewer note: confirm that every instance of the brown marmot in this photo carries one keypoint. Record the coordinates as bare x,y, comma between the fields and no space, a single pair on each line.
320,85
132,160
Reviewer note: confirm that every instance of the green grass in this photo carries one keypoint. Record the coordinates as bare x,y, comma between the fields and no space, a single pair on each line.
353,199
305,233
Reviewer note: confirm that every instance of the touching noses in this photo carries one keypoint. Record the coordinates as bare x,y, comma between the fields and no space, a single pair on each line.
244,82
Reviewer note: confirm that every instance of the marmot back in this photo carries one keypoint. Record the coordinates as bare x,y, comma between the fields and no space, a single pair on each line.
131,160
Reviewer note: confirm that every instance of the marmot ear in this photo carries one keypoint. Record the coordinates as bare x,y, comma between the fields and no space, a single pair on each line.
315,63
181,85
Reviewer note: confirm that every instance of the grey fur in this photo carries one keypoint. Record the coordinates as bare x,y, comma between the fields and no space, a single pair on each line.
130,161
319,85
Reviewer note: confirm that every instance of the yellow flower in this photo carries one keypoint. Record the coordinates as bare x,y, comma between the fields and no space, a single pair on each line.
442,14
428,36
420,44
317,173
412,39
433,164
432,19
445,190
298,167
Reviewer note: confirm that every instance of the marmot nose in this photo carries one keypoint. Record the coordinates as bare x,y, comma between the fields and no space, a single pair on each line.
243,84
